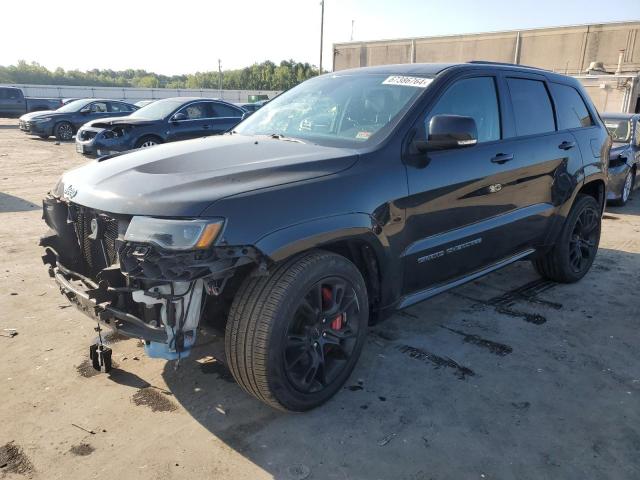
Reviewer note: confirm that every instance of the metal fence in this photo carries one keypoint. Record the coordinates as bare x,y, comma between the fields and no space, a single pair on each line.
136,94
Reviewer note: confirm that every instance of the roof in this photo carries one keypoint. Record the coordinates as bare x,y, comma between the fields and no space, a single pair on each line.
433,69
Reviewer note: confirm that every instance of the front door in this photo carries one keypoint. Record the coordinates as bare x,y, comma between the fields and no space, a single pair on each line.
194,123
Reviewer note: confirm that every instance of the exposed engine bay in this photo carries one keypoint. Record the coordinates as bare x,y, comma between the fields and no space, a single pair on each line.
139,289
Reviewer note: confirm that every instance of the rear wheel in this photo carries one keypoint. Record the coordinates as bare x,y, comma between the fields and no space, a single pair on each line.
148,141
577,246
64,131
293,337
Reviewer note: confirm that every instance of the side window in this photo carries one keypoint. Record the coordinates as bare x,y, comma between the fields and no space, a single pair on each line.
475,98
10,94
196,111
531,106
221,110
3,93
572,112
120,107
99,107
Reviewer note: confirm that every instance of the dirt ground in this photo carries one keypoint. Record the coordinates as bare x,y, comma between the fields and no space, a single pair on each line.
507,377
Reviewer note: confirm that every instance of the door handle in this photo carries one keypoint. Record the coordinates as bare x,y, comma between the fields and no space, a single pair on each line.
566,145
206,127
502,158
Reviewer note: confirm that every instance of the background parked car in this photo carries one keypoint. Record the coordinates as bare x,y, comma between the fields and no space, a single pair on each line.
165,120
13,103
143,103
65,121
624,160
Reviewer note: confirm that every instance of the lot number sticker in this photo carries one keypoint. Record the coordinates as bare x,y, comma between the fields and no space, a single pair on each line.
408,81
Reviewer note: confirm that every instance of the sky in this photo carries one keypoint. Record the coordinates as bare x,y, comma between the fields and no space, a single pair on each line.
185,36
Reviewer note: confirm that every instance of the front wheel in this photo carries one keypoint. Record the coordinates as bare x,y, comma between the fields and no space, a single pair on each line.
64,131
293,337
577,245
148,141
627,188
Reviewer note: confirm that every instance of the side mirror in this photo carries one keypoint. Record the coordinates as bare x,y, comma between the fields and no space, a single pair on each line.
179,116
447,132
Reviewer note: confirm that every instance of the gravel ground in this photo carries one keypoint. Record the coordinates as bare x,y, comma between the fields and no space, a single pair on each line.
507,377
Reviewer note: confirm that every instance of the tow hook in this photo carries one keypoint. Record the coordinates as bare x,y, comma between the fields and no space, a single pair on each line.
100,354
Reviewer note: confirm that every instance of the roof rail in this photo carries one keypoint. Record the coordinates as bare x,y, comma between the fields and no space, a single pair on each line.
487,62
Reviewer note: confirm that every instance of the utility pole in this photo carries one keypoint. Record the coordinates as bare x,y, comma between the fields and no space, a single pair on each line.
352,23
321,32
220,78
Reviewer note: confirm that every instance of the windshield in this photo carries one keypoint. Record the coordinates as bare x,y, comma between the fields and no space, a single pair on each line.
74,106
158,109
337,110
620,130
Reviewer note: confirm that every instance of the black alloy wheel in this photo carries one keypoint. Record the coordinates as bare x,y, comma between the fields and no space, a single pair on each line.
322,335
64,131
583,244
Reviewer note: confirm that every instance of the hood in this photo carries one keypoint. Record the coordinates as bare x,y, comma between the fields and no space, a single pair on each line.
184,178
110,122
39,113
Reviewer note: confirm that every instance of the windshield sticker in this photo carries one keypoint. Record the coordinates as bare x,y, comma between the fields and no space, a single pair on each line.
408,81
363,135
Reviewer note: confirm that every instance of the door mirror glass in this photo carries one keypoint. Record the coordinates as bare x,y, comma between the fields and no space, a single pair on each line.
179,116
449,131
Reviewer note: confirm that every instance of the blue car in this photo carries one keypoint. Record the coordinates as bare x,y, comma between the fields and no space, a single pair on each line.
64,122
166,120
624,160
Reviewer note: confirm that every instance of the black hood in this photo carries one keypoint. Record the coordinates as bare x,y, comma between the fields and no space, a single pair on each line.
184,178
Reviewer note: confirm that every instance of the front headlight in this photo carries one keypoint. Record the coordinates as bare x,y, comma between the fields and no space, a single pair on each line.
40,119
174,234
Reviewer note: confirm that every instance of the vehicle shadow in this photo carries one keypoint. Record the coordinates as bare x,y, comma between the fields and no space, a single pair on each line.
430,398
6,127
9,203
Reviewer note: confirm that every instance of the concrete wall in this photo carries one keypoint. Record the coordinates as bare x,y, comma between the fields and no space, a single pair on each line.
135,94
562,49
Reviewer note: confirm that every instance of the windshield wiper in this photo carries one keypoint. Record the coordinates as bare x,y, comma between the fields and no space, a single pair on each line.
279,136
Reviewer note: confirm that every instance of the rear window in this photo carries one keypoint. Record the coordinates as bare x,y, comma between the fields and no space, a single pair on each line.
531,106
221,110
571,109
10,94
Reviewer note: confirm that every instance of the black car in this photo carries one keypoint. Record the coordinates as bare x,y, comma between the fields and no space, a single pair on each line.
162,121
65,121
342,201
624,163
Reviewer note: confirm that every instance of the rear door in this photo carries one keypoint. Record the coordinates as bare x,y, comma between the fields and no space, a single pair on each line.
12,102
225,117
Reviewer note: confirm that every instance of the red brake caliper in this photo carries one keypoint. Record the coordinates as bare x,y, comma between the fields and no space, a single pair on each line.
327,297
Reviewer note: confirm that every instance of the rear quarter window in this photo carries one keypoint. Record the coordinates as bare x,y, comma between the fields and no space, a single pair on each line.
570,107
531,106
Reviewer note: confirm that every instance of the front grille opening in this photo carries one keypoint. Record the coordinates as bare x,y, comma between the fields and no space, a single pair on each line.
97,235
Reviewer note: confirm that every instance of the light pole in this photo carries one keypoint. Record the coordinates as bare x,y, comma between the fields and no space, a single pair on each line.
321,32
220,78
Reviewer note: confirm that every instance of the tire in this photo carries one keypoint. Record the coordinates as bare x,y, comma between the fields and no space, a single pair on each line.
148,141
627,188
64,131
275,332
577,245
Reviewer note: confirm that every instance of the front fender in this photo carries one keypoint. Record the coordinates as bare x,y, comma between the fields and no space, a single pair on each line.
283,243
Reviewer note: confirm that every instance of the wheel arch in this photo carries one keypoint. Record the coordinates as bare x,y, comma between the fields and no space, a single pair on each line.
353,236
595,188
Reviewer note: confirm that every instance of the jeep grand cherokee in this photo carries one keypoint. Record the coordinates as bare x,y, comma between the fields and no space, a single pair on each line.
345,199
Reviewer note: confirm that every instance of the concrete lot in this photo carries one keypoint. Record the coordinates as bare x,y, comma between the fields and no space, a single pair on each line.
507,377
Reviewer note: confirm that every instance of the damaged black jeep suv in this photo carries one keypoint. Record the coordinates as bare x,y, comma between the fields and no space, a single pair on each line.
349,197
